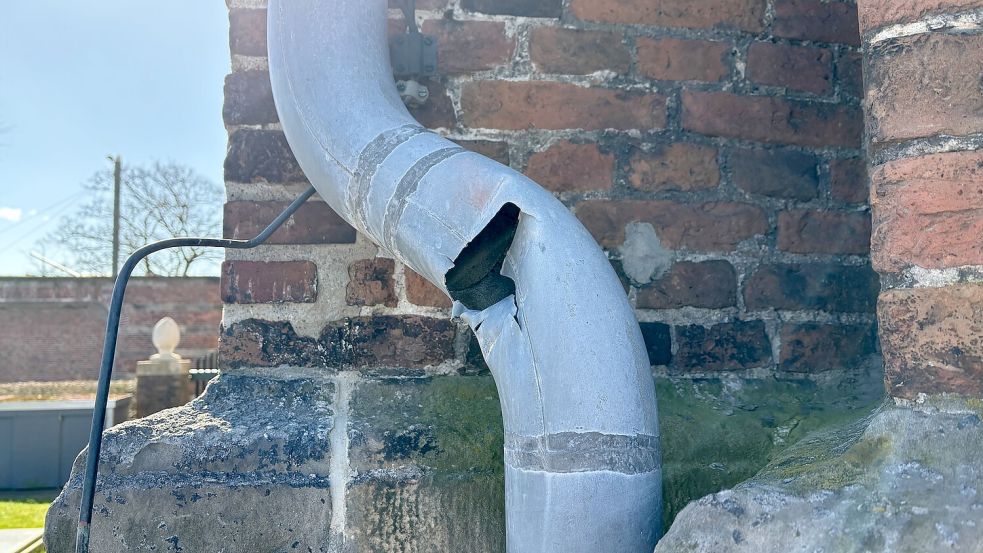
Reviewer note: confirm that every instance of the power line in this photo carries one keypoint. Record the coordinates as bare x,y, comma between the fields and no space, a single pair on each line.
41,212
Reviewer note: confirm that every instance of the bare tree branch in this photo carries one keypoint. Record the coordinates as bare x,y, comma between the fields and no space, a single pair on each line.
165,200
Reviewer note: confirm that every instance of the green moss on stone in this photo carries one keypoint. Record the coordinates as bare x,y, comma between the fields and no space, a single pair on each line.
717,433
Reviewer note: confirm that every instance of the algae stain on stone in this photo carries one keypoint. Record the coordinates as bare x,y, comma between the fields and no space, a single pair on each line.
719,432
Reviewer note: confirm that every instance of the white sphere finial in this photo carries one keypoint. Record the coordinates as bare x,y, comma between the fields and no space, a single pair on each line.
166,337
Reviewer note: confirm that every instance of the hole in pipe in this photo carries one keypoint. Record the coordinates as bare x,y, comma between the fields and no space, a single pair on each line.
476,279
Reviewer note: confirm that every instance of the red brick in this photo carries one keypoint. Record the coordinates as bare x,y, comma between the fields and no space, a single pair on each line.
569,167
802,68
723,347
313,223
849,70
769,119
577,52
702,227
438,111
707,284
420,292
925,85
815,347
848,180
257,156
676,59
832,21
249,99
674,167
831,232
521,105
932,339
269,282
876,13
371,282
32,310
247,32
499,151
776,173
928,211
465,46
746,15
812,286
524,8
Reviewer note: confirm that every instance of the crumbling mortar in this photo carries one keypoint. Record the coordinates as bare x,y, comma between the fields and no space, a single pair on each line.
920,277
938,144
964,22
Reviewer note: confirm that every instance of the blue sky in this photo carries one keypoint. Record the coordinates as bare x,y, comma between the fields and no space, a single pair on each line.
82,80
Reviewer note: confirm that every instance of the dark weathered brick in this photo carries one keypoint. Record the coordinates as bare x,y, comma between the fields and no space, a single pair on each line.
777,173
932,339
849,70
833,21
465,46
569,167
407,341
249,99
420,292
261,156
524,8
723,347
804,68
577,52
371,282
512,105
378,342
815,347
807,231
658,342
673,167
313,223
676,59
848,180
247,32
812,286
924,85
706,284
746,15
927,212
702,227
269,282
768,119
256,343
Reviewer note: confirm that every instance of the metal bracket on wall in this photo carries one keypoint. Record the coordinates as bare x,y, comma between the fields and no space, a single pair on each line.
412,54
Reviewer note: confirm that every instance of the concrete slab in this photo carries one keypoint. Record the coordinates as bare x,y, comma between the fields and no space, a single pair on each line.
12,541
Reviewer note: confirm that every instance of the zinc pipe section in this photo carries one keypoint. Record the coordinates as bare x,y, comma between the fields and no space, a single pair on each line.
578,402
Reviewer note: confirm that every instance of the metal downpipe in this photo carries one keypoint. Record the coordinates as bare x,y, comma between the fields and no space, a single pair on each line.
555,327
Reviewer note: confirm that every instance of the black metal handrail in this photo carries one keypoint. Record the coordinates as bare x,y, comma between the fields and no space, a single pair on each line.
109,349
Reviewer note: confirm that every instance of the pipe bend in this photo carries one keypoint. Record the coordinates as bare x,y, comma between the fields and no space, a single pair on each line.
578,400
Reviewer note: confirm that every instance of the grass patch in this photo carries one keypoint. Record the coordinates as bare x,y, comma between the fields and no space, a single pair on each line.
26,512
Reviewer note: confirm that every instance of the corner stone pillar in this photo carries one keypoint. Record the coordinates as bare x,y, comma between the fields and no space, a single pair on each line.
924,113
163,381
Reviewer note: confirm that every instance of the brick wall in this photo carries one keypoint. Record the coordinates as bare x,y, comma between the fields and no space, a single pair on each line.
712,148
923,61
53,328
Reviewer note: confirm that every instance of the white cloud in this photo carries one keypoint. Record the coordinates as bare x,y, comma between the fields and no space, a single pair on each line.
10,214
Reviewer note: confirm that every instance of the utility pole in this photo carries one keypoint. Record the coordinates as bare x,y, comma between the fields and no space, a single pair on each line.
117,177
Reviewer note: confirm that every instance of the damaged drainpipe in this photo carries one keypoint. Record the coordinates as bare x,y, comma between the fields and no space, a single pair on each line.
582,463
